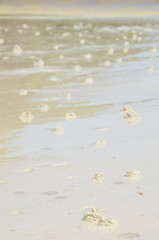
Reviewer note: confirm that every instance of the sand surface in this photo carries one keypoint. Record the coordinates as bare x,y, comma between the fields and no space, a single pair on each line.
69,154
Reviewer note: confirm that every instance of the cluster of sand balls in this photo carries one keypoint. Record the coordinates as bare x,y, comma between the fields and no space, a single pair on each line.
93,218
130,116
133,176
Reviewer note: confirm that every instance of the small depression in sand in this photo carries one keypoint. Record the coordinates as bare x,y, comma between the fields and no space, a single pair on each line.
50,193
129,235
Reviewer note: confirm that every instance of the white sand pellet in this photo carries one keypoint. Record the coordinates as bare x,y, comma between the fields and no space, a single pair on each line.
68,96
108,63
82,41
63,164
88,56
94,219
130,116
44,107
89,81
98,178
37,34
126,50
38,62
119,60
23,92
77,68
59,130
150,68
26,117
153,50
133,176
100,144
17,50
56,47
29,170
70,116
17,212
1,41
66,34
110,51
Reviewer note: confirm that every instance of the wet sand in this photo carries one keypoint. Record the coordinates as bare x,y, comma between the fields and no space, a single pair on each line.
84,9
79,157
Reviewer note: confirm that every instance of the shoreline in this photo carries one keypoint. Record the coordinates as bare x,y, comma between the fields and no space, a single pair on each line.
80,11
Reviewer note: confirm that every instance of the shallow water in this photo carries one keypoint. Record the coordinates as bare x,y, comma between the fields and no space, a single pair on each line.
73,51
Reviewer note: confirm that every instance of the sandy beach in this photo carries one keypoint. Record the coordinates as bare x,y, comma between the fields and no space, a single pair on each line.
79,126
